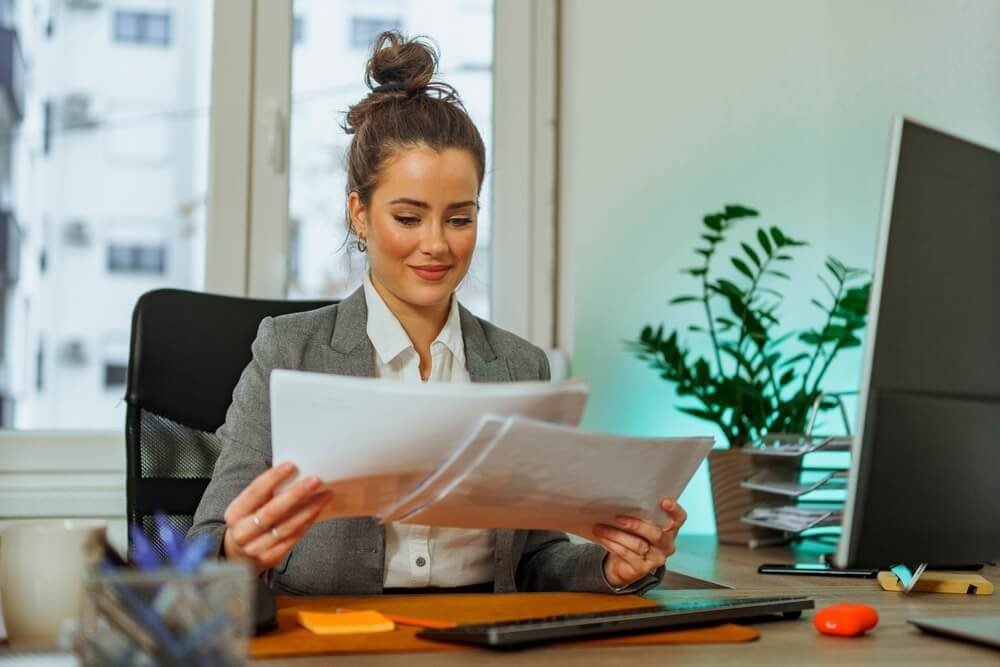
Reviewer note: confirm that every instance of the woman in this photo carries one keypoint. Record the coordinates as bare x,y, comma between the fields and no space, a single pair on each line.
414,171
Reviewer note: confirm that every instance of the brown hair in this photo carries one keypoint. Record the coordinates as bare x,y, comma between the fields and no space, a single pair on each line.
406,109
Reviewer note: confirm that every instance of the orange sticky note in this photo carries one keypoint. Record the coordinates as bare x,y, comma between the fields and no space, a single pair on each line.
349,623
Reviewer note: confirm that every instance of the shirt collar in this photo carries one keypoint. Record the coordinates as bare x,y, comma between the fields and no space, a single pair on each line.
388,336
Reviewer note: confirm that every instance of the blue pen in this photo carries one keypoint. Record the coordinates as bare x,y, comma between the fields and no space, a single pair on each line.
193,554
172,541
143,553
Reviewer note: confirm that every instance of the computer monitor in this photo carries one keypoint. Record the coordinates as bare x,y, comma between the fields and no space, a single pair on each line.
925,469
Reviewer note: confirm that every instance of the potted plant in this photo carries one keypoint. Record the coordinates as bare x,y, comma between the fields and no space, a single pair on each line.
758,376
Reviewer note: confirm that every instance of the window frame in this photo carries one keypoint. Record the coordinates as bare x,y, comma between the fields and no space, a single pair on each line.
247,239
524,136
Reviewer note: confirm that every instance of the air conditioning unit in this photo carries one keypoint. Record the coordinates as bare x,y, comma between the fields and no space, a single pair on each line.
77,111
84,4
77,233
73,352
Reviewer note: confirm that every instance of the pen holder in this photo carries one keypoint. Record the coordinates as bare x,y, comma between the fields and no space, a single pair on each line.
162,617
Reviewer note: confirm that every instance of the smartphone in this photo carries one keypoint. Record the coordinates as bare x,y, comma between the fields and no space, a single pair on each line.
815,569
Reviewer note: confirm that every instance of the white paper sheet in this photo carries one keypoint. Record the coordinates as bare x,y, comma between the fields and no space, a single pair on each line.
534,475
461,459
372,440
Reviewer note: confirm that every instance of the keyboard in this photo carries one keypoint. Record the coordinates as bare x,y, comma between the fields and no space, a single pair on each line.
532,631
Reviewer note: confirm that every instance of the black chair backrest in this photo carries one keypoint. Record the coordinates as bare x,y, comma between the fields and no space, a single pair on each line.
186,355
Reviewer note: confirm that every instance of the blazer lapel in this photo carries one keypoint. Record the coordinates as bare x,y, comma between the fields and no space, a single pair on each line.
353,353
483,363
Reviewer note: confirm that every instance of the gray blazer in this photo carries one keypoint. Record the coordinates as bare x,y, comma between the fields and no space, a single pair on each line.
346,556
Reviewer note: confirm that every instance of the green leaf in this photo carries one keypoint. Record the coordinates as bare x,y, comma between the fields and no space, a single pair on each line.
712,238
765,242
751,254
818,304
736,211
787,377
780,274
697,271
715,222
727,288
778,236
837,269
742,267
683,299
699,413
833,292
696,328
704,253
810,338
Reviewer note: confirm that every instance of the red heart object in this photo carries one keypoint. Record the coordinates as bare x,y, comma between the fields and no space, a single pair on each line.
845,619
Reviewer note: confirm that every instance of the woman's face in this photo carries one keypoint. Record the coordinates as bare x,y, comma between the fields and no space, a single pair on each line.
420,224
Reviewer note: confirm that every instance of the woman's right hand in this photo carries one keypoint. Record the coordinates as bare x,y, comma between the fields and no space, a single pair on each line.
261,527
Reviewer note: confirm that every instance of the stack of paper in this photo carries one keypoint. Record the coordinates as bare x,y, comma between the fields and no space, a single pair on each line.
793,519
471,455
523,473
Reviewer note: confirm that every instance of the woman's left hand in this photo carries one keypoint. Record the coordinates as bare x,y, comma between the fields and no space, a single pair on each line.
636,547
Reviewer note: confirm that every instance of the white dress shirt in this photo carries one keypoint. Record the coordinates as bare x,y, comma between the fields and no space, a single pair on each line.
418,556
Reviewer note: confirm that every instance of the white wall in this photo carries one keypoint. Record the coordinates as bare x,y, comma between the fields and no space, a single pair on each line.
671,109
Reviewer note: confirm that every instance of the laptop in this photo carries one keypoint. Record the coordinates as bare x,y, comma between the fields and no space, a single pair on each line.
979,629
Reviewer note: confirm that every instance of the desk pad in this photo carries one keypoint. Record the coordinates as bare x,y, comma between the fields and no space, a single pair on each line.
290,639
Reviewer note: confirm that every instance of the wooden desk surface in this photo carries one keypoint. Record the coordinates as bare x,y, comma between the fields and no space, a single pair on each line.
894,641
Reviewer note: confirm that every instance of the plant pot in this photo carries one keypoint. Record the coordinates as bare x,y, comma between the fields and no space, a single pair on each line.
726,469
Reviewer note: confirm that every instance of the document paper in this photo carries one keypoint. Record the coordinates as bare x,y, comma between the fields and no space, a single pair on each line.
372,440
535,475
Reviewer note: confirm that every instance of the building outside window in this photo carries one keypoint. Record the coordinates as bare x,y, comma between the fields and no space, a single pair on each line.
137,258
115,374
142,27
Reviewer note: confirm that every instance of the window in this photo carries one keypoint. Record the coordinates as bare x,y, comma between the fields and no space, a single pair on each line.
110,212
141,27
298,30
137,259
115,374
364,29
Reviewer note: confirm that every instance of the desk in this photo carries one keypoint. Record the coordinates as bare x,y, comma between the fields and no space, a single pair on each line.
782,643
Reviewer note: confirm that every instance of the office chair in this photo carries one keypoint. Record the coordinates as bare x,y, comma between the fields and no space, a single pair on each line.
186,355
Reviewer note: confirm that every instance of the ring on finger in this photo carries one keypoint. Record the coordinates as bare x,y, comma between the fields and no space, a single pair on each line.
274,533
256,520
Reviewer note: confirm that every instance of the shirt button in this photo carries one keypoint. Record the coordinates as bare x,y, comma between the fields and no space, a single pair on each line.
421,561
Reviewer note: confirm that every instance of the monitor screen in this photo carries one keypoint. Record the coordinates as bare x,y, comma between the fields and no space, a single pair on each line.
925,472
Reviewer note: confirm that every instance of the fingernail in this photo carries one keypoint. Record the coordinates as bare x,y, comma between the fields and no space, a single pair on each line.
312,482
668,525
621,521
668,503
287,466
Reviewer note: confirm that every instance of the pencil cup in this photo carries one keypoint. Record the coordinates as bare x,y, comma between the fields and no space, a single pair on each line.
161,617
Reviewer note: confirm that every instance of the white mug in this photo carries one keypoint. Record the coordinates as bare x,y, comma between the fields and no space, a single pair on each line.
42,564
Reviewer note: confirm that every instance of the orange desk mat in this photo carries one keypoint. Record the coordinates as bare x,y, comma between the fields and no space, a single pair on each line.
290,639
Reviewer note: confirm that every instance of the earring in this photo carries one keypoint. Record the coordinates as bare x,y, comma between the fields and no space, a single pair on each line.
362,244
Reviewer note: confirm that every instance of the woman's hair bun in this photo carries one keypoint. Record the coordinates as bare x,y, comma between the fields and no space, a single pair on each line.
400,70
401,64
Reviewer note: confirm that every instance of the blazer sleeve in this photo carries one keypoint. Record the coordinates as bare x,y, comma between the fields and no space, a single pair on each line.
245,435
550,562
